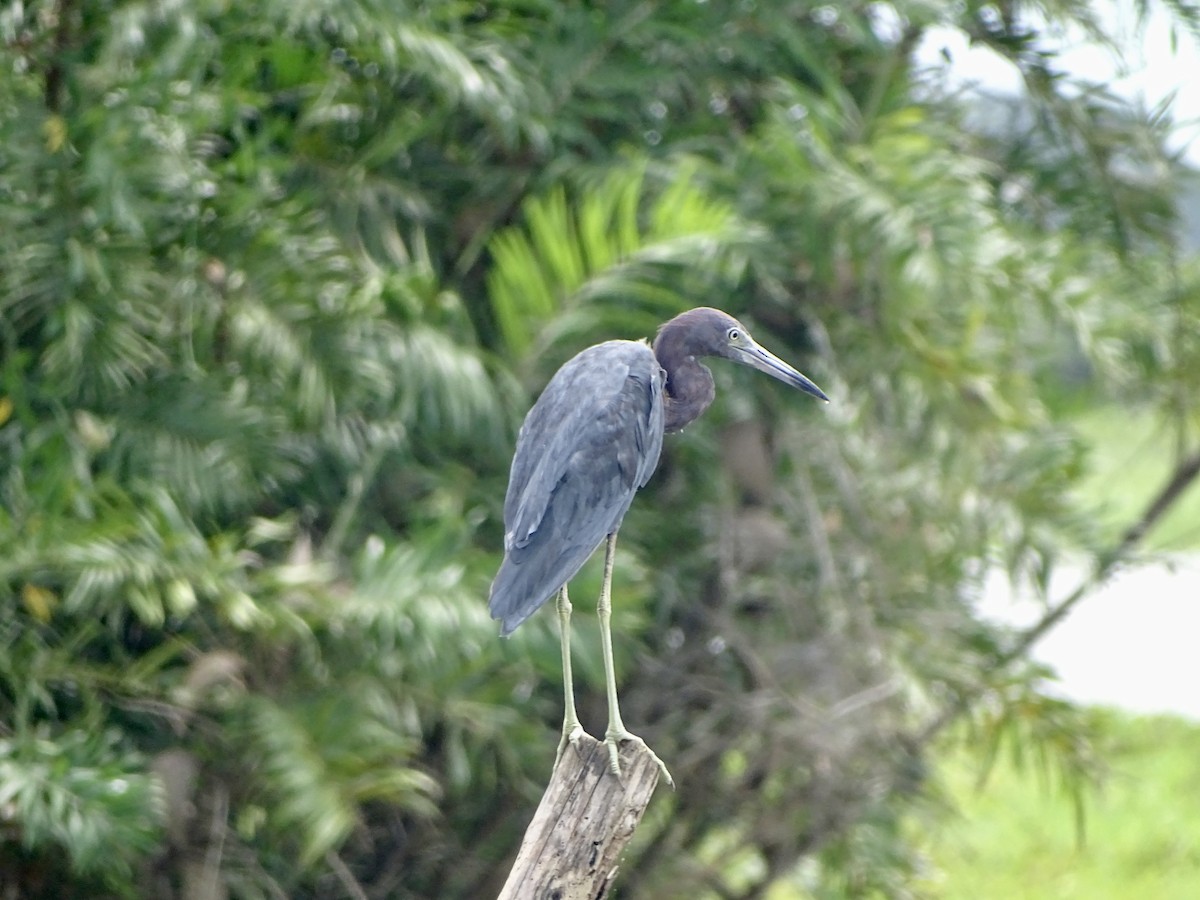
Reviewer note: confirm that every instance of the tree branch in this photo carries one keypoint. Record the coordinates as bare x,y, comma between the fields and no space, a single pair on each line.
345,876
1184,475
52,91
572,847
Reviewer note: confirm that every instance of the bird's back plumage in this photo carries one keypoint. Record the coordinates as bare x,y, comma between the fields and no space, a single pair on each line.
589,443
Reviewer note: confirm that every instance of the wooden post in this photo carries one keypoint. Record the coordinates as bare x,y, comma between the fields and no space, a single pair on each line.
573,846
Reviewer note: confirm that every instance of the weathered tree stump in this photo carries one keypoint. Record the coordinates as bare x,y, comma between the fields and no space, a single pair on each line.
572,847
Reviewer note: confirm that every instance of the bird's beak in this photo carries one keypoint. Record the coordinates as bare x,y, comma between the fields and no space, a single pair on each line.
766,361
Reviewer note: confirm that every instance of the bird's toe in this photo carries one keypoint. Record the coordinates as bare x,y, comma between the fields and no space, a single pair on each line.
613,740
572,732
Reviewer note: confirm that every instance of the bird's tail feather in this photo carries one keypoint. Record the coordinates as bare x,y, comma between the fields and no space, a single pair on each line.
523,585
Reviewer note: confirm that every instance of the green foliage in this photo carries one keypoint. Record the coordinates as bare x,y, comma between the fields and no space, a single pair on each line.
579,267
1131,459
325,759
274,279
1014,836
83,793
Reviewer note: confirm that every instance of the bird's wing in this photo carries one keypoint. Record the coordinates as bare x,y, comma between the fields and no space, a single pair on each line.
606,402
591,440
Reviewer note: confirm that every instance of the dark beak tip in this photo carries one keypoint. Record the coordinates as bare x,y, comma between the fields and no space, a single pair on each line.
765,361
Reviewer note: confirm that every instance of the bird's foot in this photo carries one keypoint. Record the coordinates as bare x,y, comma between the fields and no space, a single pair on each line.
613,738
572,732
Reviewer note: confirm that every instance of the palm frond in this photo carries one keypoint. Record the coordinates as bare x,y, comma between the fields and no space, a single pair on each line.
322,759
575,259
83,793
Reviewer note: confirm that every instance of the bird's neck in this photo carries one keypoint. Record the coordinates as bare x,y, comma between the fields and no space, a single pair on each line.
689,389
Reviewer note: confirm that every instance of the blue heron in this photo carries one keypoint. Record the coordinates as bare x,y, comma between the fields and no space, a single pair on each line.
589,443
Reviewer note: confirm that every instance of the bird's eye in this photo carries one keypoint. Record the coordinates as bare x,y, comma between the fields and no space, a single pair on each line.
734,334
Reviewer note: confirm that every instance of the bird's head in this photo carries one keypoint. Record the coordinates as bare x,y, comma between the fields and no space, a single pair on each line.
710,332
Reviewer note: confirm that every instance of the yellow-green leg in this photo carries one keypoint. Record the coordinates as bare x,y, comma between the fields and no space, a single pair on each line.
617,732
572,730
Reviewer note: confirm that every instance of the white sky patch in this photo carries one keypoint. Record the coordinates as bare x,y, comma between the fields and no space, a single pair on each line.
1131,644
1154,63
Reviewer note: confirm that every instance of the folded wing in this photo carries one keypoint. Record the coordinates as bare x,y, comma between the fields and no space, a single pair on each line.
592,439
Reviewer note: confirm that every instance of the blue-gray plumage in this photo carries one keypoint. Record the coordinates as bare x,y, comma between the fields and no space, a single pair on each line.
589,443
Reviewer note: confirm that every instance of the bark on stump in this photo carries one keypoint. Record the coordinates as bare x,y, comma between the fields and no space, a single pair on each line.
572,847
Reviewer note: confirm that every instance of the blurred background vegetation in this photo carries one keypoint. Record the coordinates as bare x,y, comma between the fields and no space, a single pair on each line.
278,281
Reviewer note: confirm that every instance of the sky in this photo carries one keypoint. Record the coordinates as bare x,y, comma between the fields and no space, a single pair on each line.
1131,644
1151,64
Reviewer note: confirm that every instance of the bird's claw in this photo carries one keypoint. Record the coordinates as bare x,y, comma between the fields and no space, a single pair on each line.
571,734
613,740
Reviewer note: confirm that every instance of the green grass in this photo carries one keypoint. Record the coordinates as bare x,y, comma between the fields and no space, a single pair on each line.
1017,840
1132,458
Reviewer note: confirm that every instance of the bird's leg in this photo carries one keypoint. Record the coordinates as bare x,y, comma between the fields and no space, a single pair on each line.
572,730
617,732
